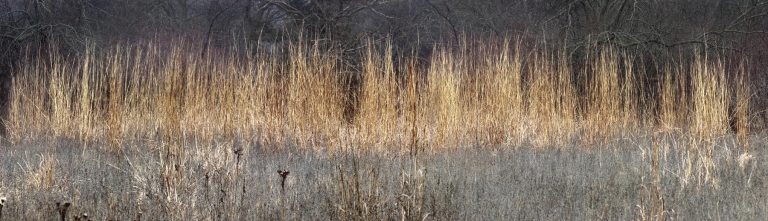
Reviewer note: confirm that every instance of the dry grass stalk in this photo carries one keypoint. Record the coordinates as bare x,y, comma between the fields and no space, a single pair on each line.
478,94
379,101
741,114
43,176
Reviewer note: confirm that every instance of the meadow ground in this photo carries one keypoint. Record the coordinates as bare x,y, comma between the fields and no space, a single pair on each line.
614,182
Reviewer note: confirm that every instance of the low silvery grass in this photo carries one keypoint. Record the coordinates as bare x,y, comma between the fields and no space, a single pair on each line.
638,178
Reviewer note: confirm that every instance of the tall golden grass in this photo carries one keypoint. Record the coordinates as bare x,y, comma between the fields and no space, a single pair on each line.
487,94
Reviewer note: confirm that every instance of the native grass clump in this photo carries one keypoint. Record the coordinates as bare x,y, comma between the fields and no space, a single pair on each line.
486,93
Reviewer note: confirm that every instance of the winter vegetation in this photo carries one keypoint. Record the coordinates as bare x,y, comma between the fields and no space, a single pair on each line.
361,110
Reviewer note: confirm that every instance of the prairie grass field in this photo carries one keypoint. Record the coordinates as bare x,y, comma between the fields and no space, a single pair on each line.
478,183
486,130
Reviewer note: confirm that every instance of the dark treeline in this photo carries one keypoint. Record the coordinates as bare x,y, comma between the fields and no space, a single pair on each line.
653,31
